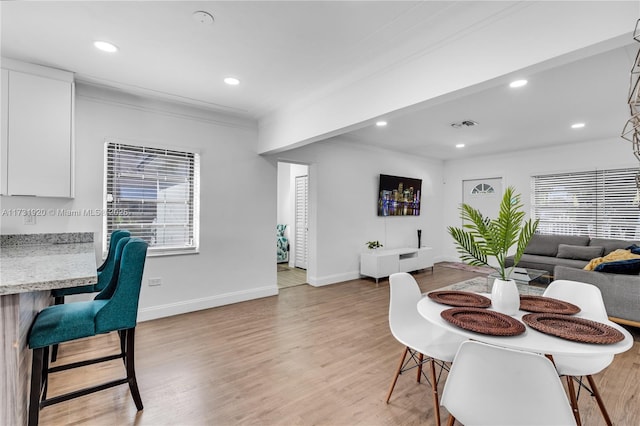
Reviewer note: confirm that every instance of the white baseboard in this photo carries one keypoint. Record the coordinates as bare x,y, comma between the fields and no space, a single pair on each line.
446,259
333,279
170,309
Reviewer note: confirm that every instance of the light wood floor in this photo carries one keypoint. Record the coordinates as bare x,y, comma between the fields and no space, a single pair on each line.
290,277
310,356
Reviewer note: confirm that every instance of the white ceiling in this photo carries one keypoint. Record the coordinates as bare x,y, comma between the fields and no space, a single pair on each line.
286,51
593,91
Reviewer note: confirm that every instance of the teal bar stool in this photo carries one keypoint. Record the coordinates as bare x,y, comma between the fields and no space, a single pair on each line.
105,271
105,274
113,309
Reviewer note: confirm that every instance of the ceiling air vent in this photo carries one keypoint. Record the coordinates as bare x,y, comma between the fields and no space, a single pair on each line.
465,123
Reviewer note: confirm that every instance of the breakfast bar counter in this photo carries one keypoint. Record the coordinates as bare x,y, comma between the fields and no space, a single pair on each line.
31,265
46,267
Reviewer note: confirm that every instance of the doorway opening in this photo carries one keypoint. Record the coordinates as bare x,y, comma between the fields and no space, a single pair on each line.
292,224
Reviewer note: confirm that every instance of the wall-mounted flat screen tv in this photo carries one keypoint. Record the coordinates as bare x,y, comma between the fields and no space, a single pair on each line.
399,196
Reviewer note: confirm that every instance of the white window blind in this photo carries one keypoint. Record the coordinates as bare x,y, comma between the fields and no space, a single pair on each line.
598,203
153,193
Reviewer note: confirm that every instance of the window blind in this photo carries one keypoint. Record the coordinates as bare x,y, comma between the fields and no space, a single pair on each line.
153,193
598,203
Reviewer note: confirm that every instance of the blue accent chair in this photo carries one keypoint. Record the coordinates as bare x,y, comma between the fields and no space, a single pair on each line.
115,308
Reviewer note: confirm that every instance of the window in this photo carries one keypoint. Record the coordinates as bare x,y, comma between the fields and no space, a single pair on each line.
154,193
599,203
483,188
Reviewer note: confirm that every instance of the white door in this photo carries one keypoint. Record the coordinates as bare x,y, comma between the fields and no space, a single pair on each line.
302,225
484,195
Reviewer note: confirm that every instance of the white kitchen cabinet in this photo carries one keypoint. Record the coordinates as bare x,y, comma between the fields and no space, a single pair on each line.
37,155
381,263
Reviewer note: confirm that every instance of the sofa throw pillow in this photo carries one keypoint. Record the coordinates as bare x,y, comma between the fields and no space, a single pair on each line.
633,248
620,254
544,245
627,267
610,244
567,251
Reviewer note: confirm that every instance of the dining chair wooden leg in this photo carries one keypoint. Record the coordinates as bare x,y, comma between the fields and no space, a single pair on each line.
420,359
131,371
395,378
434,389
603,409
451,420
573,400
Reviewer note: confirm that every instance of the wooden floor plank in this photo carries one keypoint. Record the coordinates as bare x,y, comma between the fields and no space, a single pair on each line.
322,356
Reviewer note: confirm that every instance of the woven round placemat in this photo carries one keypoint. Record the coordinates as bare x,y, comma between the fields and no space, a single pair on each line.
483,321
548,305
460,298
573,328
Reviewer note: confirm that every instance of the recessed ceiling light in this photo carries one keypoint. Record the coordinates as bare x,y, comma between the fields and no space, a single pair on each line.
232,81
577,126
459,145
518,83
105,46
381,123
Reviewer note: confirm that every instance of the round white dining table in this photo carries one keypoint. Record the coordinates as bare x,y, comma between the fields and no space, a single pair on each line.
531,340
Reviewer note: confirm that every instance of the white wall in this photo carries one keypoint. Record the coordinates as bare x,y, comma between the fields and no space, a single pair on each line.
343,182
516,169
237,205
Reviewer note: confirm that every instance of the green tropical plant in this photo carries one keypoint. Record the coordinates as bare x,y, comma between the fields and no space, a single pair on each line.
373,244
481,237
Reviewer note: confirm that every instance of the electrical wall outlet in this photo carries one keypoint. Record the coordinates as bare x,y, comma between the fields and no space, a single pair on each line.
153,282
29,219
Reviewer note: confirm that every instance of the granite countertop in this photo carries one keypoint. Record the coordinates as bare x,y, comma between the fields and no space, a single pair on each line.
45,266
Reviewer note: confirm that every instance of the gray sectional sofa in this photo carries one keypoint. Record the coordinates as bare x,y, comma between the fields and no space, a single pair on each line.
565,255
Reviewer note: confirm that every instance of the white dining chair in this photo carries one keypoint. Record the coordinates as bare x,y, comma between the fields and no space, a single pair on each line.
492,385
589,298
420,338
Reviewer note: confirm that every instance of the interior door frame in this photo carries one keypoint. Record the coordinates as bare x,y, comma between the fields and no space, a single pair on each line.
311,215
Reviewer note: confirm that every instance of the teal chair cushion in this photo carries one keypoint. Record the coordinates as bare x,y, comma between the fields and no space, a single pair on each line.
61,323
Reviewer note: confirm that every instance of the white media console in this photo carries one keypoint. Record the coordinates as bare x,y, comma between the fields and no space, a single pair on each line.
381,263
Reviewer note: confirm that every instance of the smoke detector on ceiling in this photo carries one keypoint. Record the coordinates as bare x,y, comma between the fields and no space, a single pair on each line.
465,123
203,17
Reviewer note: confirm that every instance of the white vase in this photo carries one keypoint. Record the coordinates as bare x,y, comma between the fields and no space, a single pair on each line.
505,297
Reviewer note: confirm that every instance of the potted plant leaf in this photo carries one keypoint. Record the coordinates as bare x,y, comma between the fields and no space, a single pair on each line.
482,238
372,245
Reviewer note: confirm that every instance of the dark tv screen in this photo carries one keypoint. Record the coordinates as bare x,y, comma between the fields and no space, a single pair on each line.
399,196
